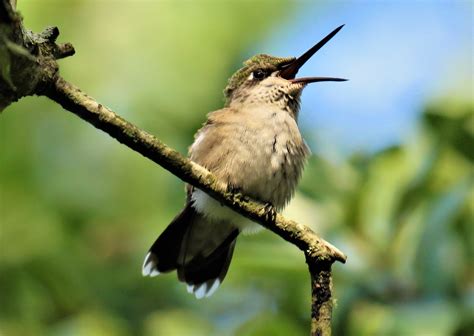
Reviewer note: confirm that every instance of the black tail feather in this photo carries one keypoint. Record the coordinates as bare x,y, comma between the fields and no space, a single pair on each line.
202,269
200,250
165,250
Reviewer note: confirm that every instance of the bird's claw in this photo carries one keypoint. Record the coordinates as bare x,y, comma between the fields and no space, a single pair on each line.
269,213
237,192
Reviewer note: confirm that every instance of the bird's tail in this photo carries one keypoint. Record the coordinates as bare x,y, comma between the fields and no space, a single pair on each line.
198,248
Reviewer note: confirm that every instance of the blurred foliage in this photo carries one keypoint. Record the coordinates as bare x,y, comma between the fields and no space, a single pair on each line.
78,211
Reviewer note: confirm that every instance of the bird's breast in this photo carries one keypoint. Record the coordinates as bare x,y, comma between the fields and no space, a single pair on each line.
257,151
268,155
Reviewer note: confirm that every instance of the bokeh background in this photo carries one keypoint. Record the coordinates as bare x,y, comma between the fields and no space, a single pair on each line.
389,182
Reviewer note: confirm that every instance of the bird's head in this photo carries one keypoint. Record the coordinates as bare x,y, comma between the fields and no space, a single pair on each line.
270,79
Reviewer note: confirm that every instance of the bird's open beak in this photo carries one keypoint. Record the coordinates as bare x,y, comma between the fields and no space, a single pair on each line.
289,71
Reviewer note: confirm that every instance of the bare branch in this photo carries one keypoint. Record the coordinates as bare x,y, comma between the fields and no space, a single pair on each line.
28,66
321,297
73,99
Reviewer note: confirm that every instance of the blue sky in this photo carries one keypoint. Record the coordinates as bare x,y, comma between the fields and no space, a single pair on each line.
397,55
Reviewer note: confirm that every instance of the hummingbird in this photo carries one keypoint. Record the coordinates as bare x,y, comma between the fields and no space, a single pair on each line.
254,146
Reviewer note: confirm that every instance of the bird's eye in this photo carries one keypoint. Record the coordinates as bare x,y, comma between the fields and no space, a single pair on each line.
259,74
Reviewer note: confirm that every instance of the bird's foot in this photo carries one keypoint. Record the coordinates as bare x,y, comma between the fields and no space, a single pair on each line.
237,193
269,212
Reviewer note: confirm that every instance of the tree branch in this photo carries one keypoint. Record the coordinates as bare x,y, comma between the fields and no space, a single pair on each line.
32,69
73,99
321,297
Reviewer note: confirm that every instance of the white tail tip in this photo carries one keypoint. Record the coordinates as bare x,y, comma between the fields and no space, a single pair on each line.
149,266
203,290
